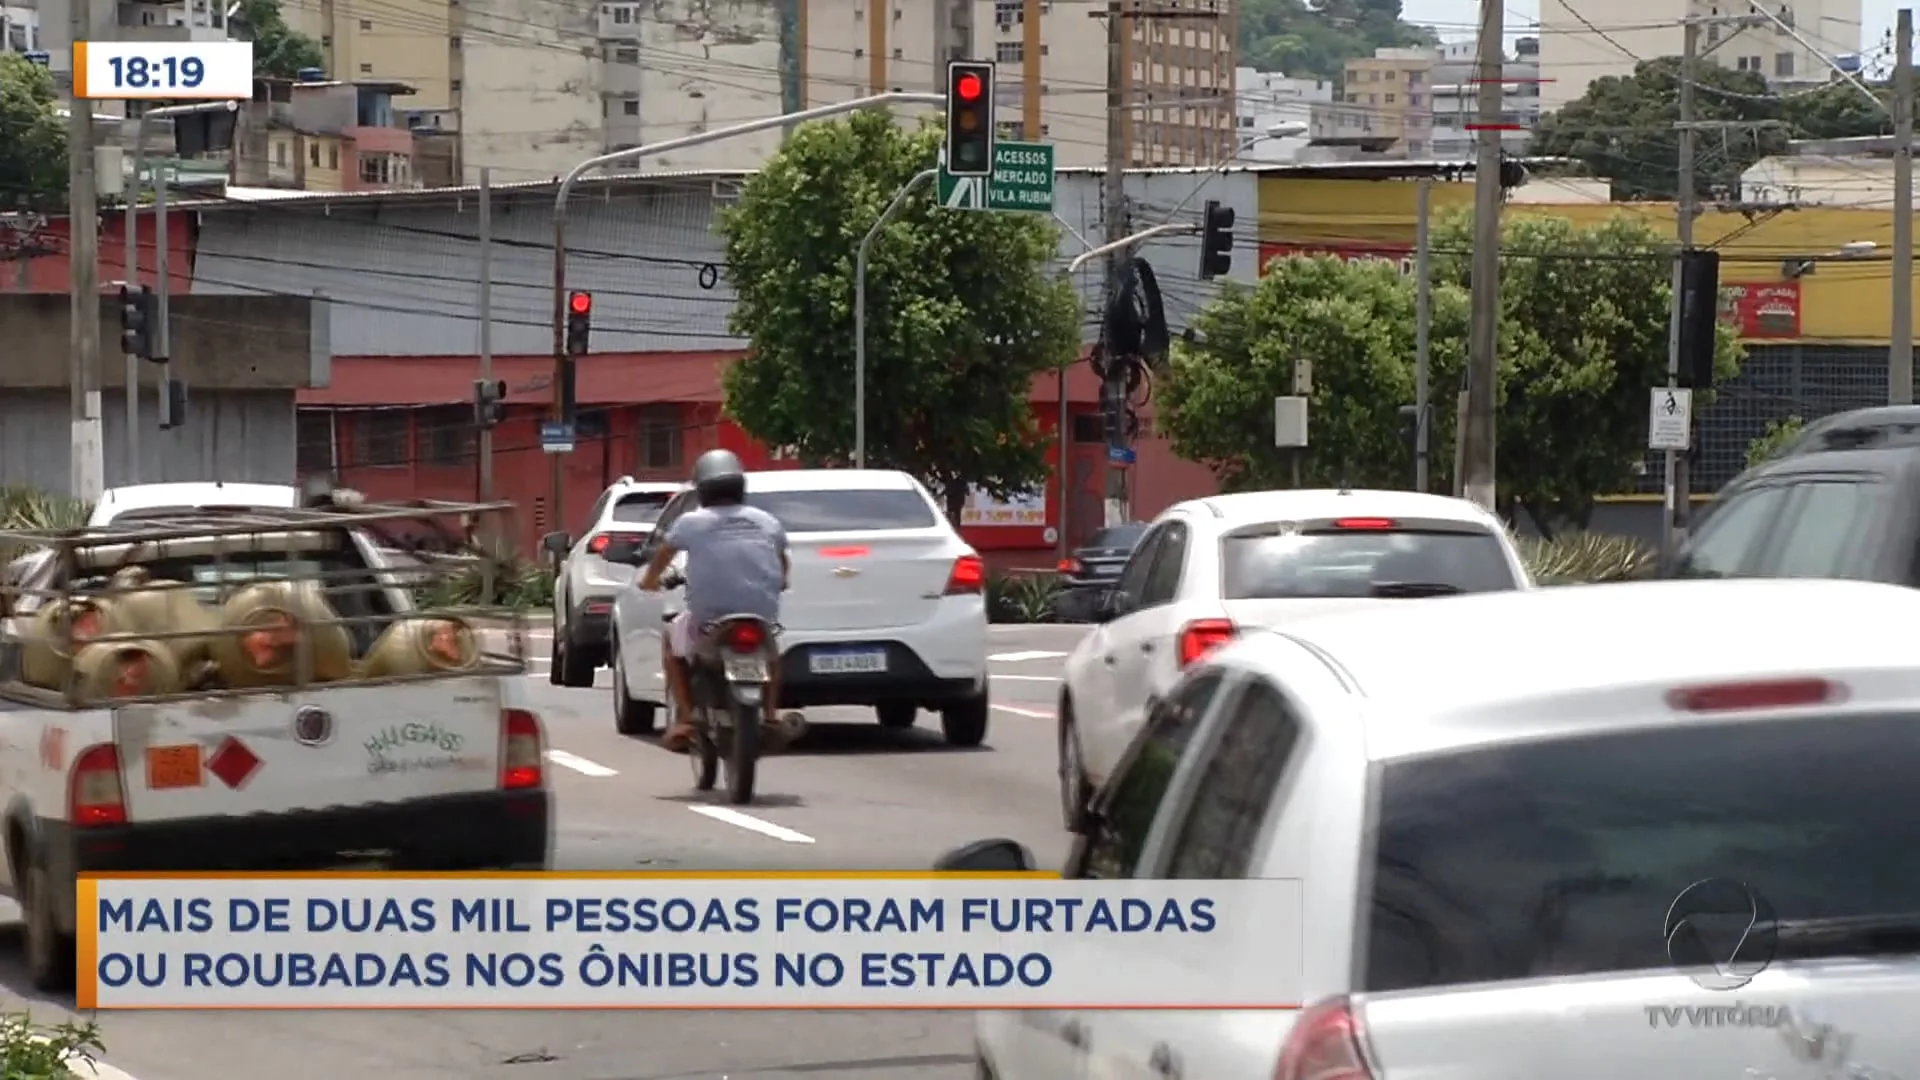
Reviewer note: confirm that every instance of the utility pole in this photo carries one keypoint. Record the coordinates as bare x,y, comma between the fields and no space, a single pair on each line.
1422,326
1686,207
1900,358
1113,202
87,467
1483,362
485,448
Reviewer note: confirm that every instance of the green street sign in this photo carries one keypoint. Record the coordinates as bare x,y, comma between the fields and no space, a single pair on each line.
1022,181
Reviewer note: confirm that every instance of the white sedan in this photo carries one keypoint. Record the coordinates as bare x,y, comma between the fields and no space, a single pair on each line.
887,606
1210,568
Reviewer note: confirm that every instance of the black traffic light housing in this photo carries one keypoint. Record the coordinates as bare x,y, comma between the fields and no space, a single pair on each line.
139,312
489,402
1699,315
969,118
579,322
1216,240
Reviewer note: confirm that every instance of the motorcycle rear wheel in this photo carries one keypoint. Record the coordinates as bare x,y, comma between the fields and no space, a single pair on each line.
743,754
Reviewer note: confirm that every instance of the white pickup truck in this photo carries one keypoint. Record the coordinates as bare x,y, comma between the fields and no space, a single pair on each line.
373,762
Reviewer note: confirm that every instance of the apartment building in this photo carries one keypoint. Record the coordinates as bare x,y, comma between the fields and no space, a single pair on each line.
1581,41
1385,105
325,136
1456,99
19,28
1264,100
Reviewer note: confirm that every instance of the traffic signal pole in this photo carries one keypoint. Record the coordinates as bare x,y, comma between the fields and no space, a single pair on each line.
635,154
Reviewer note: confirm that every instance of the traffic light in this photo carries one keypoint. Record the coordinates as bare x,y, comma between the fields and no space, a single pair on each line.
1216,240
969,118
579,322
1699,315
489,402
139,309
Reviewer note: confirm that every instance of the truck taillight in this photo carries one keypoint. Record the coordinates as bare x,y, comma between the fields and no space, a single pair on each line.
521,753
1202,636
94,796
969,576
1324,1045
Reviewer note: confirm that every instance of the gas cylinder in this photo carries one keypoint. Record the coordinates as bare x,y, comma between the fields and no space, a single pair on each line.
156,606
106,670
417,646
263,622
61,627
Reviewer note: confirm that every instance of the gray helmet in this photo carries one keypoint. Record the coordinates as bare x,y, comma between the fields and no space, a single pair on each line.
718,477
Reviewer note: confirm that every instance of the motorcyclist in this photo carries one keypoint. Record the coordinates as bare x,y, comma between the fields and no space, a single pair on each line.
736,565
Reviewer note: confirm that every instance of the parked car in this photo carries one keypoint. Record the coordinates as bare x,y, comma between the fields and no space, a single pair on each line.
886,607
1211,567
1495,804
584,582
1092,568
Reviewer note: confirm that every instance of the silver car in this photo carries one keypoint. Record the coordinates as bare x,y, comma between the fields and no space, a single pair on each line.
584,583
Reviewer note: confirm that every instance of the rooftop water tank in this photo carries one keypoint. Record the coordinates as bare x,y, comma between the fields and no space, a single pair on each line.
311,75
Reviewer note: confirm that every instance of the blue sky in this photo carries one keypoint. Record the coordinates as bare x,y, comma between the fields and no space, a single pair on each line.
1457,19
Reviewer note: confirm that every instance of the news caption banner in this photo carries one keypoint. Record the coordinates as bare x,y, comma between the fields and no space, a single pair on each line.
668,941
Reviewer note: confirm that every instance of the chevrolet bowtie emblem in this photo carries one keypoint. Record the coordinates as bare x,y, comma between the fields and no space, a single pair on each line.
844,571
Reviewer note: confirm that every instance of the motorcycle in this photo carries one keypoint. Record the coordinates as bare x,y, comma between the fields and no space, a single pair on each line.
727,677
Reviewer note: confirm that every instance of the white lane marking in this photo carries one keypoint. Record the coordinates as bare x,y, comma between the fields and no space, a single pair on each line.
1033,654
1025,678
579,764
752,824
1016,710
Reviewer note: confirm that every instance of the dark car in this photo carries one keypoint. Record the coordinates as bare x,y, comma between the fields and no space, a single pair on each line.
1842,500
1091,570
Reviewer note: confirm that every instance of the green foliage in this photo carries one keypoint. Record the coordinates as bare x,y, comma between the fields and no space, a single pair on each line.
519,583
1774,439
30,1051
1583,335
1622,128
278,49
33,138
1840,111
963,312
1315,38
1585,558
1026,597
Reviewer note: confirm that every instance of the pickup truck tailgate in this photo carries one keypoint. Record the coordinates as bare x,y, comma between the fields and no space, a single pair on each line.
313,749
1851,1019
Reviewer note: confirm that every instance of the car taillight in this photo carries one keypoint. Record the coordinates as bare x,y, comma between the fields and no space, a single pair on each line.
969,575
1766,694
1368,524
1067,566
1324,1045
520,750
1202,636
598,545
746,637
94,797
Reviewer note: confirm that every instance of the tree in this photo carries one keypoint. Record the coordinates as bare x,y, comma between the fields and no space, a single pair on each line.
1622,128
964,310
1840,111
1316,38
278,49
1583,336
1355,322
1774,439
33,138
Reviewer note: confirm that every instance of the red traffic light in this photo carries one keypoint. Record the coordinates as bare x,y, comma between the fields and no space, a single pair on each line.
580,303
967,86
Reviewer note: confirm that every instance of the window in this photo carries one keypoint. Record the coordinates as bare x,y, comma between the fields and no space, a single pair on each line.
313,154
1416,78
380,437
1163,580
1726,543
630,106
1390,98
1829,528
622,14
1009,52
313,442
1416,148
1088,428
281,154
1118,537
1124,811
1272,562
447,435
846,509
626,56
1537,859
333,155
1133,577
366,69
660,436
1413,99
643,509
1783,64
1237,787
366,24
1009,12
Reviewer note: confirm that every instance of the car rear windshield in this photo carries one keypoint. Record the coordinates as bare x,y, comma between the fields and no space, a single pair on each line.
846,509
1355,562
1119,536
641,509
1566,857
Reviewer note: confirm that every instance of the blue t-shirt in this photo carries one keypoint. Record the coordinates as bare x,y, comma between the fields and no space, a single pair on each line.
733,561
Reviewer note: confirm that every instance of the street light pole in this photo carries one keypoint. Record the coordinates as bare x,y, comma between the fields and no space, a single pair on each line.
860,313
633,155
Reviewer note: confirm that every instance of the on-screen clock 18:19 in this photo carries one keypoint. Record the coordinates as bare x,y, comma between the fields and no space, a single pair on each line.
160,73
172,70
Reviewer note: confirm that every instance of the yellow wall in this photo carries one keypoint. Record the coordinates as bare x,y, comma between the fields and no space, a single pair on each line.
324,160
1841,302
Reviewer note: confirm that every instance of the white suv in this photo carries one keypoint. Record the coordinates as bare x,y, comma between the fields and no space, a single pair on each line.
887,606
584,583
1212,567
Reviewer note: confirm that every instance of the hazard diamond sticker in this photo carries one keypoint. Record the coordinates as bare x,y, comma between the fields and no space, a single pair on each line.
233,763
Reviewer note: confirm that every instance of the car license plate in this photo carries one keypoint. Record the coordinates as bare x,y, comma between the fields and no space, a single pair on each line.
848,662
746,669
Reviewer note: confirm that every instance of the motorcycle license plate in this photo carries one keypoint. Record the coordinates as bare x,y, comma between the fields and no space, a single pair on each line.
746,669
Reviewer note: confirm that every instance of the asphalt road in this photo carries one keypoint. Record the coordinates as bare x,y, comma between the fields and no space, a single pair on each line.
850,796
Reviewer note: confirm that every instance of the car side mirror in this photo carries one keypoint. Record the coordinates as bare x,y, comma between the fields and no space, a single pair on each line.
556,543
987,857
